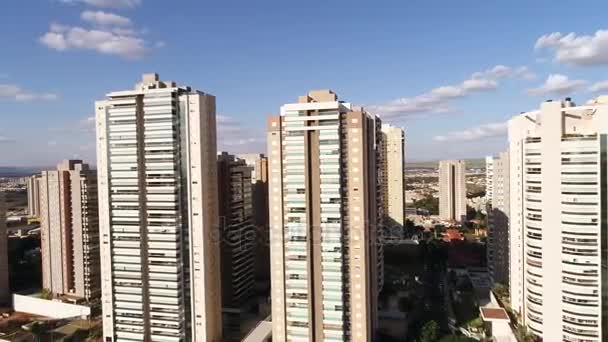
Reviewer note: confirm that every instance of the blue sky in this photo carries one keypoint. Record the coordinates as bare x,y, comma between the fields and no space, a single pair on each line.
451,73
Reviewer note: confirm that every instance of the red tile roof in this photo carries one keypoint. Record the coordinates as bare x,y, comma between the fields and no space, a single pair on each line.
494,314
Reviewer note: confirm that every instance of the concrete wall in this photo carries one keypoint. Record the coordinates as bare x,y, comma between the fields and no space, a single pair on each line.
48,308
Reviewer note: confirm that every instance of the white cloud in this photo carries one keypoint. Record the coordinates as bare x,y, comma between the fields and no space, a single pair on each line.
474,133
4,139
14,92
64,38
85,125
107,3
559,85
573,49
599,87
105,18
437,99
238,138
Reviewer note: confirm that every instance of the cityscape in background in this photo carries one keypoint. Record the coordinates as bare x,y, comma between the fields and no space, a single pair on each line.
337,215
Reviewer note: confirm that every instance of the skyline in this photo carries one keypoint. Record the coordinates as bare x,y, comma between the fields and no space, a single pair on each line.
461,85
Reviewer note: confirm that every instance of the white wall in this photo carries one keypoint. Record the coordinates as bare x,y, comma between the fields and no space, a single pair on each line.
48,308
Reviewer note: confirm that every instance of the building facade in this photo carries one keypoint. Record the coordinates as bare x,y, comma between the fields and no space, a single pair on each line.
498,221
238,241
559,225
157,179
5,291
392,175
259,193
33,196
70,231
325,207
452,190
489,178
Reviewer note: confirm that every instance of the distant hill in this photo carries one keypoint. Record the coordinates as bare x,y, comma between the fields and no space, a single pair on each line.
12,171
478,163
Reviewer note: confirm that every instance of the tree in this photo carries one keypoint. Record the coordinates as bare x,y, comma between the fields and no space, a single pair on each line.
501,291
38,329
523,334
475,323
456,338
46,294
95,334
430,203
429,332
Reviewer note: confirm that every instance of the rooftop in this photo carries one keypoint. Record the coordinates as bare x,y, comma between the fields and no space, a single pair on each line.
494,314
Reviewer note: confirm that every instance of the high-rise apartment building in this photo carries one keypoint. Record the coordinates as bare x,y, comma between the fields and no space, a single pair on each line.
259,193
33,196
259,180
70,230
325,206
392,175
452,190
158,203
238,241
559,220
498,220
489,178
5,291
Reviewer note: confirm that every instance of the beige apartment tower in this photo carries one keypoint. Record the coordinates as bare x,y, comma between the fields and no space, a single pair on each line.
237,242
452,190
158,212
70,231
325,207
259,180
5,291
259,193
392,175
33,196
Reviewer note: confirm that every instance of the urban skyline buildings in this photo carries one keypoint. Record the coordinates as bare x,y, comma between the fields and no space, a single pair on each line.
158,202
392,175
329,160
558,220
452,190
324,210
69,230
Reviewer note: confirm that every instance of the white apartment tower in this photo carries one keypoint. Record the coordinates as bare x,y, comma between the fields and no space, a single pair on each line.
498,220
392,176
157,175
559,220
489,178
452,190
325,205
